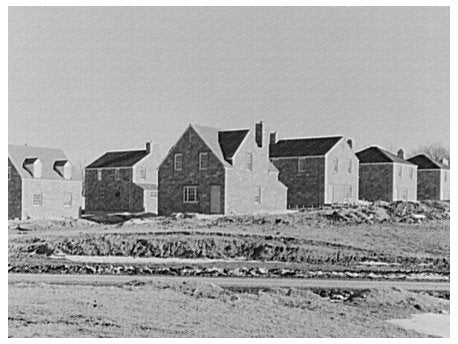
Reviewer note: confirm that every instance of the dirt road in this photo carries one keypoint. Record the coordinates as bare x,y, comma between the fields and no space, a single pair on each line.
228,282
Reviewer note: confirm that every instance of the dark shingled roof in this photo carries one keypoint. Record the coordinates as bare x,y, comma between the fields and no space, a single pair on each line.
376,154
119,159
425,162
316,146
230,141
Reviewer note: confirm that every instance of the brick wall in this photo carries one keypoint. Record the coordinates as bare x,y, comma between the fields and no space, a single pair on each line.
429,184
376,182
342,187
53,192
14,193
110,195
242,184
305,189
171,182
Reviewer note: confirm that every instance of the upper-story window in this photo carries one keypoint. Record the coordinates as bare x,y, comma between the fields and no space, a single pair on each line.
9,172
335,165
203,161
249,161
411,173
178,162
117,174
143,173
445,176
349,166
301,164
99,175
400,171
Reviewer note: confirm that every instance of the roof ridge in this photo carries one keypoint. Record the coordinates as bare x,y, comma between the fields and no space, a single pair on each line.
311,138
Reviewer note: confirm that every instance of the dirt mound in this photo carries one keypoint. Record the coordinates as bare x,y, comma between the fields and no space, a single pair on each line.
399,211
386,301
49,224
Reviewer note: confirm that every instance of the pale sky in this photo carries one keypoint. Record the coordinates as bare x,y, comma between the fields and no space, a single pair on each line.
89,80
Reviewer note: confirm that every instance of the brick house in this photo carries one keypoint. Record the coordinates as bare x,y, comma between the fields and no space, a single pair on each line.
385,176
122,181
218,171
433,180
41,184
317,171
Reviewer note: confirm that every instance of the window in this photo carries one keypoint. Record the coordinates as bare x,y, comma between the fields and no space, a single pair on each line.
445,176
143,173
257,195
190,194
153,194
117,174
348,192
9,172
99,175
37,200
301,164
203,161
249,161
335,165
349,166
400,171
178,162
67,200
411,173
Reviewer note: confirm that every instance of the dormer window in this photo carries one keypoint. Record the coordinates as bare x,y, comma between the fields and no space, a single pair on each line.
63,168
33,166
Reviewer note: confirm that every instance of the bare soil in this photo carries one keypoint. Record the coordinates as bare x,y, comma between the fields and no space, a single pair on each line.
193,309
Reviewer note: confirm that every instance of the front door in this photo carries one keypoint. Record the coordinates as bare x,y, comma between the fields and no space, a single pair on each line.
215,199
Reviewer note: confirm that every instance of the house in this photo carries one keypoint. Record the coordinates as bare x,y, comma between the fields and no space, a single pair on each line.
433,180
122,181
41,184
216,171
385,176
317,171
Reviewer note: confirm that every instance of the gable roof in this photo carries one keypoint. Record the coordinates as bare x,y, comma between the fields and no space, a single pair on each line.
28,154
425,162
223,143
230,141
376,154
119,159
314,146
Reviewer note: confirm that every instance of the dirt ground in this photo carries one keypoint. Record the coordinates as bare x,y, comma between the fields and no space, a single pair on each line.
166,309
387,241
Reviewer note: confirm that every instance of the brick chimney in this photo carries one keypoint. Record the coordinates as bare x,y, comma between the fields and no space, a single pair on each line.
444,161
401,154
148,147
350,143
259,134
273,138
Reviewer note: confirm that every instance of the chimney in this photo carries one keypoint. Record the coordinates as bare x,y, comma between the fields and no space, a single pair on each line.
444,161
350,143
401,154
148,147
259,133
273,138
